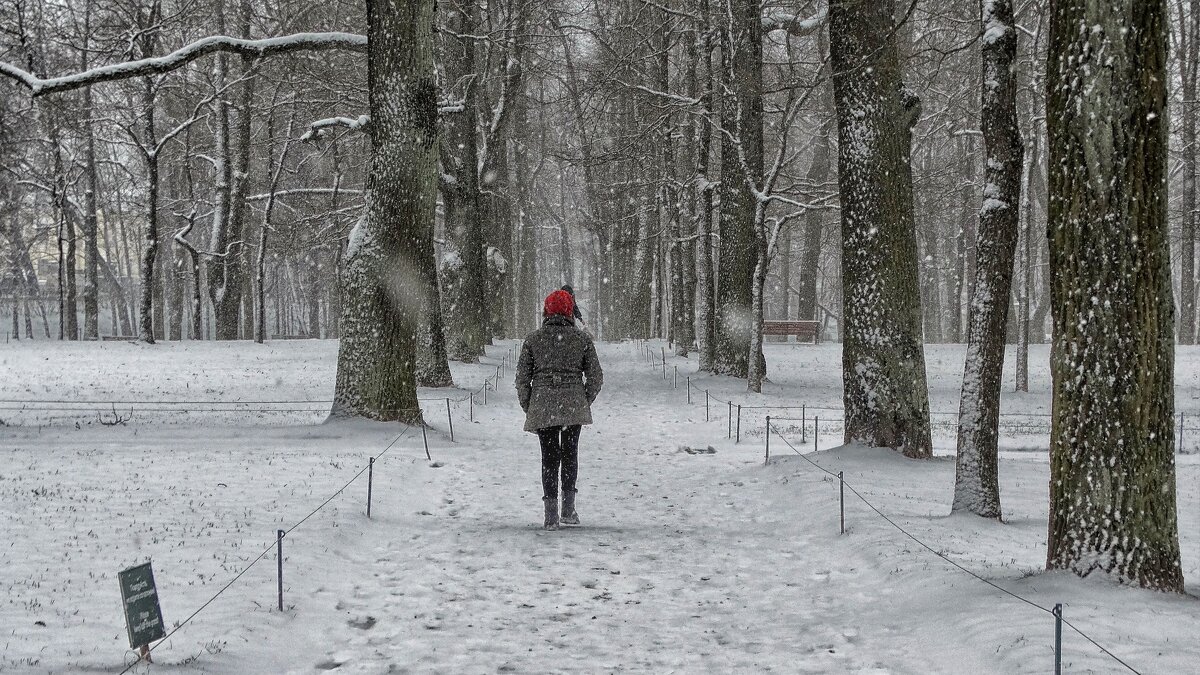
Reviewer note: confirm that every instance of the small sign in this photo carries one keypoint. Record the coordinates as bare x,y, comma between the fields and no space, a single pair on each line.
143,617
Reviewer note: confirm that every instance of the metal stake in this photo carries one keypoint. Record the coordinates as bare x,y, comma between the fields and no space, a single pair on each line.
803,419
471,409
664,361
842,500
449,420
705,405
370,480
767,458
689,389
738,439
729,422
816,433
279,554
675,377
425,437
1058,639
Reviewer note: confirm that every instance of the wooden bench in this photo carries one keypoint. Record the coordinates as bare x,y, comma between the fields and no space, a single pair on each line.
808,329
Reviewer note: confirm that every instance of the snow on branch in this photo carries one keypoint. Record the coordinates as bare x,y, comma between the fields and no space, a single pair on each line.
353,124
185,55
794,25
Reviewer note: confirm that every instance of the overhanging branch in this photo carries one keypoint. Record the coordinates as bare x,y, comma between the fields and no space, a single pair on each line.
181,57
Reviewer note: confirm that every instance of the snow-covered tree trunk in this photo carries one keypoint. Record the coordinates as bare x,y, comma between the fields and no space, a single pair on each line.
91,220
460,159
883,365
149,140
976,480
819,171
384,298
1025,268
703,189
740,25
433,366
1188,42
1112,468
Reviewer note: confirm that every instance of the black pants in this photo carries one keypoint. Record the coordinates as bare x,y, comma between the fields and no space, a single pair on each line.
560,452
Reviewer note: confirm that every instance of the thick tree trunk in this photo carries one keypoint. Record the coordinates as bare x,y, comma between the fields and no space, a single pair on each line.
883,365
741,165
703,187
385,297
460,159
1112,469
976,478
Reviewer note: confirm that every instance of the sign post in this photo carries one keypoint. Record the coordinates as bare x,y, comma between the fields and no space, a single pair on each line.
143,617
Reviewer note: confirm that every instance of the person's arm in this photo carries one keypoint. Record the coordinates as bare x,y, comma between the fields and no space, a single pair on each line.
592,371
525,376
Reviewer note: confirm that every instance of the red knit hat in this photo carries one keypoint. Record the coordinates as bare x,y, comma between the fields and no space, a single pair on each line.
559,303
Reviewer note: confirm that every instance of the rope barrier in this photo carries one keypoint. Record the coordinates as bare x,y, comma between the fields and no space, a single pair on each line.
269,548
953,563
881,514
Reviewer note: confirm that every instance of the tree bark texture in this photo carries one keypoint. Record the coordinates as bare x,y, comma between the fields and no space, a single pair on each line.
976,478
384,294
1189,72
883,365
1112,470
741,165
460,159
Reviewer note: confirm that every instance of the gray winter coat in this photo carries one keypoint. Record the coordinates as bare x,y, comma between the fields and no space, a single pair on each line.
558,375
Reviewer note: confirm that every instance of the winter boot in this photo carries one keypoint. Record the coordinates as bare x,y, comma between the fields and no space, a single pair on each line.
551,513
569,517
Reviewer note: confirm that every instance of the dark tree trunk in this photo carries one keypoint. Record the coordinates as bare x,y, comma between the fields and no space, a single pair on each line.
384,295
814,220
976,483
741,166
1189,72
460,159
883,365
1112,469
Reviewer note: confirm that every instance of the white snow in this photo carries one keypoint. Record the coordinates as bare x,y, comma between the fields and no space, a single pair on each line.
684,562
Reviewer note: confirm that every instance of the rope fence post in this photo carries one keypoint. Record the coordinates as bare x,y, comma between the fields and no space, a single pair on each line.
675,377
816,433
471,409
485,388
842,502
449,420
738,438
803,420
729,422
370,481
689,389
664,361
706,405
279,554
767,456
425,438
1058,638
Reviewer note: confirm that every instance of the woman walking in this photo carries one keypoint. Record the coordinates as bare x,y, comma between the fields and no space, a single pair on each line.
558,377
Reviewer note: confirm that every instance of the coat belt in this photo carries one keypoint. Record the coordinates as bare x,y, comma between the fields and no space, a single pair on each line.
557,379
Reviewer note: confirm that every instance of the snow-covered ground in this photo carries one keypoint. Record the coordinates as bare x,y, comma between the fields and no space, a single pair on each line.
684,563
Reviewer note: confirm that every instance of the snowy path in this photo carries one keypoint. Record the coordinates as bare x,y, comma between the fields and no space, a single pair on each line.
685,563
669,571
696,563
